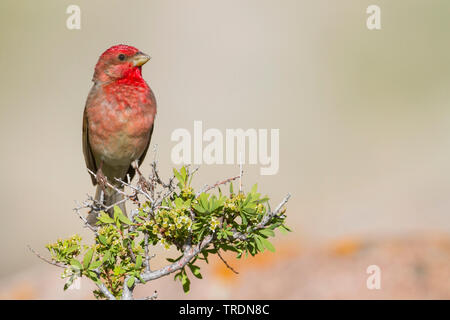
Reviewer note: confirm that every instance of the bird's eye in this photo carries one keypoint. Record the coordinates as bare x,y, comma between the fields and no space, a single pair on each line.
121,57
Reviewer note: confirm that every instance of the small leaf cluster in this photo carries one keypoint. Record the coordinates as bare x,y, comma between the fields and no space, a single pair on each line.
114,255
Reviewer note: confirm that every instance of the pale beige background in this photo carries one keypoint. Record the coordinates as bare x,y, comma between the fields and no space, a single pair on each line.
364,116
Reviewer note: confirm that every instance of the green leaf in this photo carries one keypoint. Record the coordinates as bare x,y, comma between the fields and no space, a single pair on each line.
205,255
199,208
177,175
110,239
118,270
106,256
268,245
92,275
178,203
284,230
267,232
71,249
262,200
185,282
87,258
76,264
231,187
259,244
104,218
195,271
94,265
174,260
125,220
254,188
68,283
130,281
138,262
177,276
253,249
102,239
247,200
183,173
203,199
244,218
118,214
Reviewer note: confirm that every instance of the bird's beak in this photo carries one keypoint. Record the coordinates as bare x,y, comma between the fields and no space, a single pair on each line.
140,59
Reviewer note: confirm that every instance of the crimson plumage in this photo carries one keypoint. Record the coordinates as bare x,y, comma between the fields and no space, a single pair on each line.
118,117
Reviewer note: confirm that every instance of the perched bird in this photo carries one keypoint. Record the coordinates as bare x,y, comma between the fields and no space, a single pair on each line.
118,120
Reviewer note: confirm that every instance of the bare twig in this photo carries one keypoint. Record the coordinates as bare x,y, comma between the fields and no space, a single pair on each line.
147,257
54,263
206,188
157,177
137,189
241,172
105,291
226,263
154,296
277,210
86,223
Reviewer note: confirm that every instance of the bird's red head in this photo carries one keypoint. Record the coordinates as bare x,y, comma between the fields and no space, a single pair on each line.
120,62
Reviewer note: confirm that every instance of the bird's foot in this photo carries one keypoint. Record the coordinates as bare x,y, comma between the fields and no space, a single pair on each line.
101,180
143,183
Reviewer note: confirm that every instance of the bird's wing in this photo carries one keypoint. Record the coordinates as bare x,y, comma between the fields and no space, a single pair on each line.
88,156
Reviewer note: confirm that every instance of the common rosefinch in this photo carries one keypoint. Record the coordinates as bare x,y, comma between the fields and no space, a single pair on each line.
118,120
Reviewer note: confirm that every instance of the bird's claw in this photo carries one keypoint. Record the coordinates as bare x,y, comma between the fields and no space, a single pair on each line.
101,180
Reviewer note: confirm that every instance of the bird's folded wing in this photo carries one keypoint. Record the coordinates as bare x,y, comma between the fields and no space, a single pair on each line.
88,156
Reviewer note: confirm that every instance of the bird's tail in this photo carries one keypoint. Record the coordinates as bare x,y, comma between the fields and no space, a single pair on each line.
108,198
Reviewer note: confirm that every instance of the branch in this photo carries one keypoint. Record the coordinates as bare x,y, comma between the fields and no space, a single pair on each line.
277,210
127,293
189,254
226,263
241,172
105,291
54,263
187,257
267,217
147,256
154,296
157,177
139,190
206,188
110,185
86,223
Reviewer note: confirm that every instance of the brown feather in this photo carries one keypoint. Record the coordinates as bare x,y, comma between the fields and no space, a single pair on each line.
88,156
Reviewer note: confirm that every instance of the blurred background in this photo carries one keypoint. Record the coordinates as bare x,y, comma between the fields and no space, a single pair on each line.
364,123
